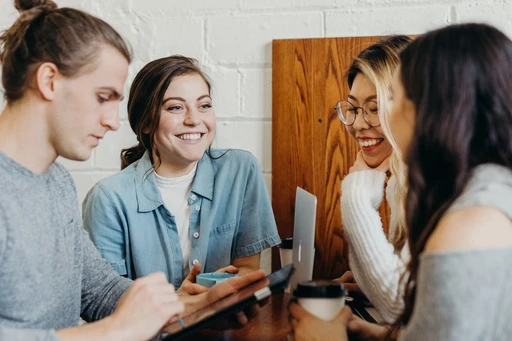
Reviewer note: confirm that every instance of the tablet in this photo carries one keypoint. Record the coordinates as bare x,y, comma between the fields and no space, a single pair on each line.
231,304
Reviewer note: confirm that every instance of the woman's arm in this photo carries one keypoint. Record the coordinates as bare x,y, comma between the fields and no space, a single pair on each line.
257,228
474,227
375,265
464,279
247,264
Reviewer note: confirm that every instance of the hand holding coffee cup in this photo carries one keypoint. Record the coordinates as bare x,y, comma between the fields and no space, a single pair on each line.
324,299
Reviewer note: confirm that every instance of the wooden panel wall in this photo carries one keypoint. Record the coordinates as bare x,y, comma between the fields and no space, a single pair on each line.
310,146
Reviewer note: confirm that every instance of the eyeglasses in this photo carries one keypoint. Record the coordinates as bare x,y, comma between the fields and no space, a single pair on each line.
347,112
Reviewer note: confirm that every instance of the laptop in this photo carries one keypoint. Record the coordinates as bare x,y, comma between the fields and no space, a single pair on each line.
304,225
303,256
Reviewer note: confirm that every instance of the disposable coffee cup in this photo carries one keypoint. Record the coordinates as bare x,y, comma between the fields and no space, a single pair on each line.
324,299
286,251
286,254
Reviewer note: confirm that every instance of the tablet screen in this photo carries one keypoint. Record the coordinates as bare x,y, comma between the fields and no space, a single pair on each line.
231,304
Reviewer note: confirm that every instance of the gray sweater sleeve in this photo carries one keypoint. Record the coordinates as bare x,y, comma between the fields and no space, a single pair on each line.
102,287
462,296
12,334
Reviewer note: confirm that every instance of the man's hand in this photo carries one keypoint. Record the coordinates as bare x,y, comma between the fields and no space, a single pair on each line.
145,308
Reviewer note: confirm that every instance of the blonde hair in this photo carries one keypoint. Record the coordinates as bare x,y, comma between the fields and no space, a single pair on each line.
378,63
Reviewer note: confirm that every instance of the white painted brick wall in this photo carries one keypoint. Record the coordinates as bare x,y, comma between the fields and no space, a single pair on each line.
385,20
246,38
107,154
225,83
254,136
232,40
497,14
257,93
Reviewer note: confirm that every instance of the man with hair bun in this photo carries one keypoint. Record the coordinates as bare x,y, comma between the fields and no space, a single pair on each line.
63,74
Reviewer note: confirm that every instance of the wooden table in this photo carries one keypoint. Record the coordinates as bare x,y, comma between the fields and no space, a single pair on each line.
270,324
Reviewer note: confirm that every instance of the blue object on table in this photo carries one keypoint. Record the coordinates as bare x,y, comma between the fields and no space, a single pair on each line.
209,279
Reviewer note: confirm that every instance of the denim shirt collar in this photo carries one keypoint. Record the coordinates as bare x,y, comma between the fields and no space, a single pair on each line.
146,188
205,178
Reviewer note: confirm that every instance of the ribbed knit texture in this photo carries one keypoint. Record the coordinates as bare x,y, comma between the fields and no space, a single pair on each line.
376,266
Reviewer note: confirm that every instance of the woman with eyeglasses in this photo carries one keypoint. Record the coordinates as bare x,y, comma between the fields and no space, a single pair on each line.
376,261
452,121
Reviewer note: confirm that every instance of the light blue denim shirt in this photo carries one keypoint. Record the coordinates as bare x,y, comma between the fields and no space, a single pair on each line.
231,217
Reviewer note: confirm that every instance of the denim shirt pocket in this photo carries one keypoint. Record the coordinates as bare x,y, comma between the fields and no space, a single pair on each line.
223,229
120,267
220,248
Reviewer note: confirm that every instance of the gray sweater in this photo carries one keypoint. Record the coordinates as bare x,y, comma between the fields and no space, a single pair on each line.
50,272
466,295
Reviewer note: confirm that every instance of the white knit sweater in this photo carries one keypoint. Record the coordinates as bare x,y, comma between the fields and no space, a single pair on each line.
376,265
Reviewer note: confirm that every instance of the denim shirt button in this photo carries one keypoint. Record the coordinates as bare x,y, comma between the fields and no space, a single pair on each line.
193,197
196,235
195,261
198,207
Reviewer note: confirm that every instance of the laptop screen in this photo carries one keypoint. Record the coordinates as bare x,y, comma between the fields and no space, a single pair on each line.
303,237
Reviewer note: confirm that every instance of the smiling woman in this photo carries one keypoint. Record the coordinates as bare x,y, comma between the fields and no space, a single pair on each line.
179,204
360,116
187,125
377,261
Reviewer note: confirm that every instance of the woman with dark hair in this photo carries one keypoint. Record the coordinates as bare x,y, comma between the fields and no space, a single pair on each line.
452,119
179,204
455,127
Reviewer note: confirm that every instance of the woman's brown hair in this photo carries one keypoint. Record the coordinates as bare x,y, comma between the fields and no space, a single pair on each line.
459,79
145,102
66,37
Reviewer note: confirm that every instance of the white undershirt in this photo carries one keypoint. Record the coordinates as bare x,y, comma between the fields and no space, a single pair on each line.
175,192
